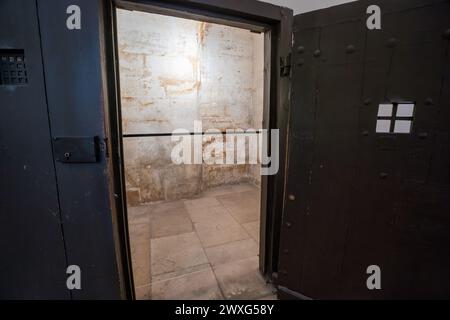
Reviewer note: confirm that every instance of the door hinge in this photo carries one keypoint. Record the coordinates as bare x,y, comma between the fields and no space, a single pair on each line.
106,147
285,66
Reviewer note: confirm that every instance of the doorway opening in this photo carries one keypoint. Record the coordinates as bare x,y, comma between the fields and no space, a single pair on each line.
194,228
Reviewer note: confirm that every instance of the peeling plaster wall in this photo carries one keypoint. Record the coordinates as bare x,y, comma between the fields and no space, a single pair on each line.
174,71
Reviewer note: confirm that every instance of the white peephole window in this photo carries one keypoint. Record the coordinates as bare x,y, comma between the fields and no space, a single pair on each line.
395,118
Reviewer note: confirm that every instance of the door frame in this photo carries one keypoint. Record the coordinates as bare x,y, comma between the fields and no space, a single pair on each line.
253,15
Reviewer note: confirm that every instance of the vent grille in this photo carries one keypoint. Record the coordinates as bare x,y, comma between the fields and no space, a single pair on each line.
13,67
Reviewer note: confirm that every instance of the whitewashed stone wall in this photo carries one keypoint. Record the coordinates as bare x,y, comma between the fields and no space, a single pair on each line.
174,71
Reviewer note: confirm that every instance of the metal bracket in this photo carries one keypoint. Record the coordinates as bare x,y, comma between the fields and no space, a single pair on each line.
76,149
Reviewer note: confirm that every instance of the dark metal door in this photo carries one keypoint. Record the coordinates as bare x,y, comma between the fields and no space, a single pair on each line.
356,195
32,260
55,201
75,76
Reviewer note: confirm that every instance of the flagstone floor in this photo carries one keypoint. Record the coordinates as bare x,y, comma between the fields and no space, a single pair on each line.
200,248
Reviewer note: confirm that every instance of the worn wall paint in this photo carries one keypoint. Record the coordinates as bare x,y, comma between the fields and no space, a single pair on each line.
174,71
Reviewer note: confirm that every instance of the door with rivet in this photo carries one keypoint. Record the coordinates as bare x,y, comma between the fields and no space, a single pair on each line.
368,188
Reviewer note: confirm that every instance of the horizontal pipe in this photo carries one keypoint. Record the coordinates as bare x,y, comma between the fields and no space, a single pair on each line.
145,135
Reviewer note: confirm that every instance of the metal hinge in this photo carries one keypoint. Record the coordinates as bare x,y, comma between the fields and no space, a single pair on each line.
285,66
106,147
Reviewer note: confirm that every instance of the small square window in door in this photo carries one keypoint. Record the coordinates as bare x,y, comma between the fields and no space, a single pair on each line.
395,118
13,67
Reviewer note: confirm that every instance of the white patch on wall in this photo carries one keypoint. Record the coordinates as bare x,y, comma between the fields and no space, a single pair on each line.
402,119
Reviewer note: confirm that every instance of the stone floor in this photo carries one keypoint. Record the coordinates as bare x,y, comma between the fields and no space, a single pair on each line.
201,248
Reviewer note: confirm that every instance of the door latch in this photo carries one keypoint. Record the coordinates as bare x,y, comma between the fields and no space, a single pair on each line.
76,149
285,66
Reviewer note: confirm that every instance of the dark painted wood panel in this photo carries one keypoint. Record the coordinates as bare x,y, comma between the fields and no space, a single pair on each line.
303,109
363,198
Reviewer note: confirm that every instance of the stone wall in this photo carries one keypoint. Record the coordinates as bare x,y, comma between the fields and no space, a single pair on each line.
174,71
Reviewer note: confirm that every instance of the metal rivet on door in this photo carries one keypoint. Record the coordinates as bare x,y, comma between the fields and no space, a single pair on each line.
392,42
383,175
447,34
350,49
428,102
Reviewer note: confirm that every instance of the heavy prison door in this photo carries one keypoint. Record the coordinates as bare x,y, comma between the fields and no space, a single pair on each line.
356,197
55,207
33,259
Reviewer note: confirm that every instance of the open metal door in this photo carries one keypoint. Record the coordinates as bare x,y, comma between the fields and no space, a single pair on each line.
368,180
